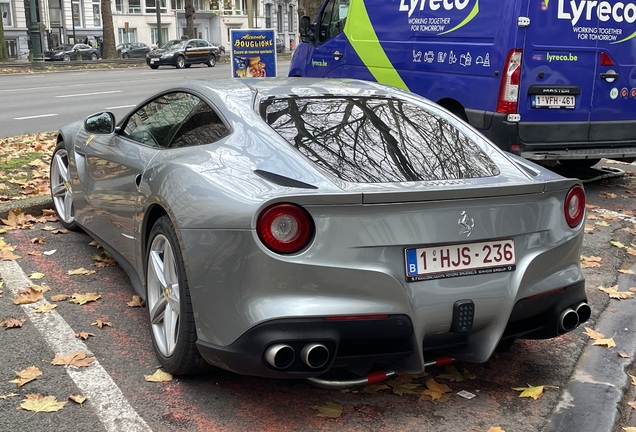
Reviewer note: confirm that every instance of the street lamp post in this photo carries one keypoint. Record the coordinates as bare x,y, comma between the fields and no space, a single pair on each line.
34,33
158,7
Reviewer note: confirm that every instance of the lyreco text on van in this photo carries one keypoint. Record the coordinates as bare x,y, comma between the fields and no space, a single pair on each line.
547,79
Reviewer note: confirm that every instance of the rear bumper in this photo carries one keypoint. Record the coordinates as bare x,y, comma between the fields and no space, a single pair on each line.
553,141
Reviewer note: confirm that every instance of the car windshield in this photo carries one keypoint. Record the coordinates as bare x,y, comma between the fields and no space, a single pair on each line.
376,140
173,44
63,48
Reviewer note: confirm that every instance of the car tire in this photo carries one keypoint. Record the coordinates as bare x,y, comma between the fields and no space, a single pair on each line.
211,61
180,63
61,189
94,57
154,66
172,325
66,57
125,56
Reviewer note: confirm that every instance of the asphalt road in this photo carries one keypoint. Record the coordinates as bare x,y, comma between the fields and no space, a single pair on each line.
44,102
120,398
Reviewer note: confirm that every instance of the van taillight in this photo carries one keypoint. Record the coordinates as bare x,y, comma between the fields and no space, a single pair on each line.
606,60
509,88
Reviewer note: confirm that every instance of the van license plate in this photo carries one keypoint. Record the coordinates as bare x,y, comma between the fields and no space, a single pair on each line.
556,101
460,260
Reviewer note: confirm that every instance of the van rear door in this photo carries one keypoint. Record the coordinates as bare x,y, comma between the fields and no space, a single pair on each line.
558,72
615,74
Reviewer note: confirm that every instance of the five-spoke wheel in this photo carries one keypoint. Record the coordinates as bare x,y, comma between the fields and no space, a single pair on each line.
61,189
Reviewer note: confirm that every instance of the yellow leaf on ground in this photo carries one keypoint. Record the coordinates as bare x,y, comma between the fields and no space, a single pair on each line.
602,223
329,410
158,376
38,240
632,404
11,322
36,275
77,359
617,244
436,391
101,324
626,271
452,374
615,294
39,403
45,308
104,259
59,297
7,255
80,271
593,334
34,253
40,288
629,429
623,355
534,392
588,227
27,296
26,375
136,302
83,335
591,261
495,429
94,243
47,228
609,343
85,298
77,398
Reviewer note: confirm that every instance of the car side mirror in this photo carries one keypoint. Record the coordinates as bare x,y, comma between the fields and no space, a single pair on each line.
100,123
304,29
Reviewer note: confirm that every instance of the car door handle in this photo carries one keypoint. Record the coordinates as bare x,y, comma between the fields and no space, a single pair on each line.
606,75
337,55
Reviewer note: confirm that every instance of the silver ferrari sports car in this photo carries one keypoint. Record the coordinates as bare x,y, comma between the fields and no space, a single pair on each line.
285,227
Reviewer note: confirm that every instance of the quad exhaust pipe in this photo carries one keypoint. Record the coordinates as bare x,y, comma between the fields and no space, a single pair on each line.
571,317
314,355
280,356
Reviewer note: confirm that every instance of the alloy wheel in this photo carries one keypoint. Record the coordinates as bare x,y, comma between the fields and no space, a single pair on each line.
61,189
163,295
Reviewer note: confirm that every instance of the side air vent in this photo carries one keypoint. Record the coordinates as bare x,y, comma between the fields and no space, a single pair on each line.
282,180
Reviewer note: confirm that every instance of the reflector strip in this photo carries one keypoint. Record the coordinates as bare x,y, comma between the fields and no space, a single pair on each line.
545,293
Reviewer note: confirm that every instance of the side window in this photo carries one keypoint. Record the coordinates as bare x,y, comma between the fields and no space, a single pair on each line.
202,126
156,123
333,18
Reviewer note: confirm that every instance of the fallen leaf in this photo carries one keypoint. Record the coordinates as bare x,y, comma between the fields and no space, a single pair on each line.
94,243
623,355
80,271
136,302
11,322
59,297
48,228
602,223
617,244
39,403
615,294
436,391
59,231
593,334
77,398
40,288
84,298
588,227
626,271
38,240
45,308
609,343
8,255
633,405
158,376
27,296
374,388
535,392
329,410
495,429
451,374
608,195
592,217
36,275
629,429
104,259
591,261
26,375
404,388
8,395
77,359
633,378
83,335
34,253
631,250
101,324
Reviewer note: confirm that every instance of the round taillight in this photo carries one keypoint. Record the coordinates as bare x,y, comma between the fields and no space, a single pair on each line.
284,228
574,206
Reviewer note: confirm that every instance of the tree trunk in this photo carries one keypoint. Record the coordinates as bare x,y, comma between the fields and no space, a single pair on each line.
4,54
189,16
109,32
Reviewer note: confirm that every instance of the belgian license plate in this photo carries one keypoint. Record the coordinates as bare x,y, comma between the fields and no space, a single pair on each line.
553,101
154,60
460,260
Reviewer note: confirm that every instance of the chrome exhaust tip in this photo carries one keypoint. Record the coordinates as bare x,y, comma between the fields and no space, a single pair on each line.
314,355
584,311
280,356
568,320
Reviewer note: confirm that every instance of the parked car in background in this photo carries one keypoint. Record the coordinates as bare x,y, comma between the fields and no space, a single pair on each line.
70,52
133,50
280,45
283,227
219,46
182,53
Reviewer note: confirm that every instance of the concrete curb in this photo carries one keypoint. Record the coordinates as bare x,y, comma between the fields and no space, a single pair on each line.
33,205
593,399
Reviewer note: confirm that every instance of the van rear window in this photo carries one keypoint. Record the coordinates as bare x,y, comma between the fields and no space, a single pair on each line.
376,140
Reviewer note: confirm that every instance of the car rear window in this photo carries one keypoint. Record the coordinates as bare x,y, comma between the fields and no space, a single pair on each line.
376,140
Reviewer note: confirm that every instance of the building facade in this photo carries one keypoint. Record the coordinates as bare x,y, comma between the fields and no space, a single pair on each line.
71,21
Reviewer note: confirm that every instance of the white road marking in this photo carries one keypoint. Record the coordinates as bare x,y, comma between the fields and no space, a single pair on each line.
30,88
36,116
121,106
88,94
104,396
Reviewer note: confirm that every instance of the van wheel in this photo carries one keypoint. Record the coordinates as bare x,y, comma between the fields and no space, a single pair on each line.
579,163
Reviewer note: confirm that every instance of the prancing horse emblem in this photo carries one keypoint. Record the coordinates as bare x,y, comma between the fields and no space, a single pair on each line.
466,224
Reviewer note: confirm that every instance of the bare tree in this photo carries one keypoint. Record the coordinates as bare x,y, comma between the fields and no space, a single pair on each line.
189,16
108,38
4,55
309,7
